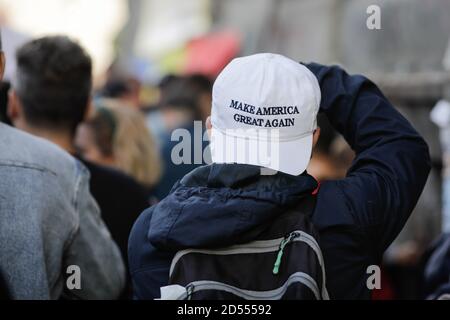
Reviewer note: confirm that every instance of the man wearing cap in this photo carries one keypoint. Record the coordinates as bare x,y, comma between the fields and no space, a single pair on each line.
263,128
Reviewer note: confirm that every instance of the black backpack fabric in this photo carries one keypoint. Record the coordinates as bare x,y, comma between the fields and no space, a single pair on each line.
284,261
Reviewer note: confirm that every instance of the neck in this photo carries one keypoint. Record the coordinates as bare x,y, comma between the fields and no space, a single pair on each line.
61,138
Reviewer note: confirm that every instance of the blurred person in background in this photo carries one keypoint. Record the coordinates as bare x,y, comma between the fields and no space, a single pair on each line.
49,221
153,114
117,136
180,111
50,98
127,91
167,84
201,86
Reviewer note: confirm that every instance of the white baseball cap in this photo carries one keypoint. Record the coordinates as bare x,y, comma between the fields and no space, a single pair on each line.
264,113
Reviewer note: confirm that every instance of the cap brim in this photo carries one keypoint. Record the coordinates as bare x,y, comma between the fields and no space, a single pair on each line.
291,157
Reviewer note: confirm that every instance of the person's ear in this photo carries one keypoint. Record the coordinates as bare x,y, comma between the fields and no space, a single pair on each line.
2,64
89,110
208,126
15,110
316,136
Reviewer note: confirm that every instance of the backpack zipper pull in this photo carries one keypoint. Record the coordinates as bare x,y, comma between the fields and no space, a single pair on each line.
286,240
189,291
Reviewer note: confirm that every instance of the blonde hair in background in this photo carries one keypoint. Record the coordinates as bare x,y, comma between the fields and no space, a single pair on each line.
134,147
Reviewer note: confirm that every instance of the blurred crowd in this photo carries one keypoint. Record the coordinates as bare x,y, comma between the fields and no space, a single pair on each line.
124,142
125,134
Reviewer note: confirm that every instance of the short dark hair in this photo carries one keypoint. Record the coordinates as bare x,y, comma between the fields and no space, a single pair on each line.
179,95
200,83
54,82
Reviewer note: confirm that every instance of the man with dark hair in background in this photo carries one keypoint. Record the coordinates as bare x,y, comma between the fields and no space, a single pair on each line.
50,98
50,222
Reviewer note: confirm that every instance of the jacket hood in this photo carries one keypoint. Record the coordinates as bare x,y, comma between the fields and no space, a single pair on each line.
217,205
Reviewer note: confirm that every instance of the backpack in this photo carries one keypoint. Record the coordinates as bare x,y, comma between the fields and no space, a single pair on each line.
284,261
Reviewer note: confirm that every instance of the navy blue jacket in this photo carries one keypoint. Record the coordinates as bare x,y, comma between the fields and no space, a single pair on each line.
357,217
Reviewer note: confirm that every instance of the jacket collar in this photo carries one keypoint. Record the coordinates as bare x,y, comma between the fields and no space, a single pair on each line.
243,176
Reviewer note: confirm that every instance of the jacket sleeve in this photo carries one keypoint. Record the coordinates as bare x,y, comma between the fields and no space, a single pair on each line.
392,160
93,250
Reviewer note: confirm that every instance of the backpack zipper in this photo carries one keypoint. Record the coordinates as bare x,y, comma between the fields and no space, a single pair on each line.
287,239
190,291
276,294
260,246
